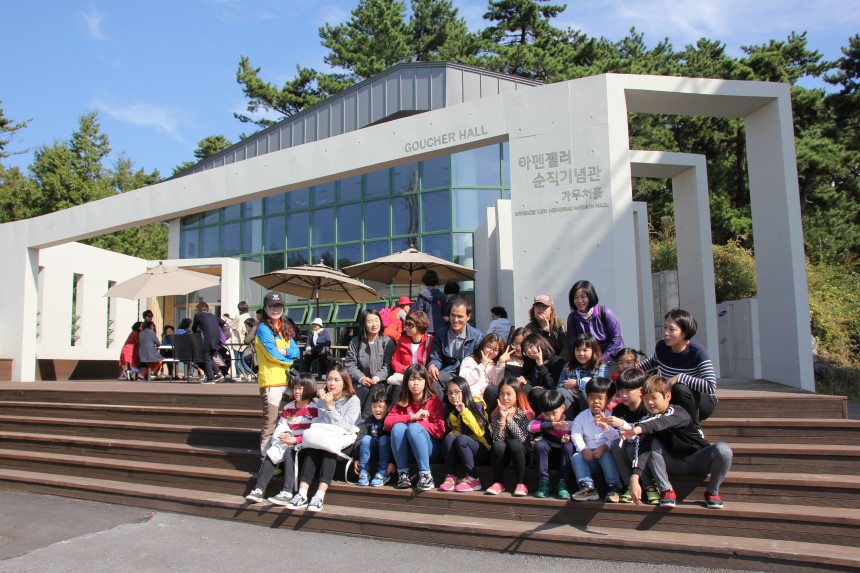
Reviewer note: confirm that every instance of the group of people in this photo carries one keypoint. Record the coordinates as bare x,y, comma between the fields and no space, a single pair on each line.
143,353
552,392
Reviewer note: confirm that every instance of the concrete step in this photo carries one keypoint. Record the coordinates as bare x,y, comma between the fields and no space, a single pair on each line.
454,527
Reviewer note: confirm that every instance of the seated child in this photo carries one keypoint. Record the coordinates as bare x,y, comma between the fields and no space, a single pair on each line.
670,442
586,363
467,440
554,432
374,438
630,410
295,419
592,438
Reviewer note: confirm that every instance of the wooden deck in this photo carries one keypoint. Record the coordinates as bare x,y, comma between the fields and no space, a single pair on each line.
792,497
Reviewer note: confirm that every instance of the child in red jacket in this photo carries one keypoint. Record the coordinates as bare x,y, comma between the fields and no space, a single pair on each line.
417,424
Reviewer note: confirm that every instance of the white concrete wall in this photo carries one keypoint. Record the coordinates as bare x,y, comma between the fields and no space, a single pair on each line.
96,266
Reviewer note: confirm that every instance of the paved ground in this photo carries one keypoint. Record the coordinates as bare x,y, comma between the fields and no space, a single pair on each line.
46,533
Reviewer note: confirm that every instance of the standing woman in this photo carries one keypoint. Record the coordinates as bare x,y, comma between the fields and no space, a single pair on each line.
686,365
413,347
368,357
544,321
276,350
129,357
587,317
338,405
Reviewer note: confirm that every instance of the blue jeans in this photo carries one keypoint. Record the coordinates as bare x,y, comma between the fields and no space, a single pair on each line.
370,445
583,468
415,439
241,367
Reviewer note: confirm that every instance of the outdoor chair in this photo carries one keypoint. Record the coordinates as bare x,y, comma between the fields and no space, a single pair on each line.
188,350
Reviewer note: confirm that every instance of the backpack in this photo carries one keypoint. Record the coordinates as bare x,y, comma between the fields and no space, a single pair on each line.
394,329
386,316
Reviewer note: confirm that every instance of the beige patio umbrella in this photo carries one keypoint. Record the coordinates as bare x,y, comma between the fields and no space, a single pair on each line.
403,268
317,282
162,280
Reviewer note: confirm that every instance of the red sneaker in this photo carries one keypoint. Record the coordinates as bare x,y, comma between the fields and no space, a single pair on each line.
713,501
668,498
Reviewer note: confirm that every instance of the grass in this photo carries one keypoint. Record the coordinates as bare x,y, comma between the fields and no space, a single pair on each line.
838,381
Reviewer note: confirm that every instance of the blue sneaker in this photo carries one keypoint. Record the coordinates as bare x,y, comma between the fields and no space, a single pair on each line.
380,479
363,478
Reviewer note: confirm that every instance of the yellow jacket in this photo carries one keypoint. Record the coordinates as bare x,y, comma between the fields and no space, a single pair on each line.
272,365
466,423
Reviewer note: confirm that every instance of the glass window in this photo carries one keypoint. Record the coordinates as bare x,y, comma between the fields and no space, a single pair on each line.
376,219
209,242
297,230
436,211
273,262
470,207
376,249
376,305
188,241
231,213
405,179
274,204
348,255
437,245
346,313
323,194
477,167
252,208
404,215
349,222
296,258
252,236
349,189
403,243
324,314
376,184
506,193
436,172
231,240
191,221
464,249
297,199
211,217
324,254
297,314
322,226
273,237
506,164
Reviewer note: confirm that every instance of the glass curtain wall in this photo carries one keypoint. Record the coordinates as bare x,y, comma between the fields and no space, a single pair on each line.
435,205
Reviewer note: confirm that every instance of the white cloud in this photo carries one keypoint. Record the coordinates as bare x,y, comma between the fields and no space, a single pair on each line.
142,114
93,21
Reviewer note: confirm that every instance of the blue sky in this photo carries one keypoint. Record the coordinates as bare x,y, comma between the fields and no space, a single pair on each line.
161,73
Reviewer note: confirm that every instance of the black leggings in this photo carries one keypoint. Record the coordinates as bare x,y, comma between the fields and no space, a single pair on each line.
502,452
313,459
700,406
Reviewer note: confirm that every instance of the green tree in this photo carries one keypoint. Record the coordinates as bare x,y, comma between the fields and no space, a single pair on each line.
519,22
374,39
206,147
438,33
8,129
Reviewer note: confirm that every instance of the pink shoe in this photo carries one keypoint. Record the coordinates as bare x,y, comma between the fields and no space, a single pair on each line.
448,484
495,489
468,484
521,490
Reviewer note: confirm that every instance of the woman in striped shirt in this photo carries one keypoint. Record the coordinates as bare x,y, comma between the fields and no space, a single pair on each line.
686,364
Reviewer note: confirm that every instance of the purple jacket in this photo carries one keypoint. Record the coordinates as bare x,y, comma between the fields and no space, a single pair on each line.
607,333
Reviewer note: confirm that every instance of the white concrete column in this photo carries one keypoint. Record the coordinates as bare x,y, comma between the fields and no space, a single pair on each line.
695,253
645,291
18,305
786,344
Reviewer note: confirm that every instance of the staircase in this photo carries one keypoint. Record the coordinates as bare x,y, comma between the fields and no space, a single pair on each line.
792,497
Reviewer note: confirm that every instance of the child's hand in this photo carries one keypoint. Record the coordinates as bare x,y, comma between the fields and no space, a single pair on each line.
600,421
614,422
586,453
505,357
635,490
560,425
391,468
628,433
571,384
455,433
356,467
565,438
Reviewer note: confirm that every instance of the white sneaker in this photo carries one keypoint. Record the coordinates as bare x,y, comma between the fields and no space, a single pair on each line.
255,496
316,504
298,502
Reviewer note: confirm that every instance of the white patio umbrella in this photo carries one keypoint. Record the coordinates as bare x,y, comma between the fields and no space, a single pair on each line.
317,282
403,268
162,280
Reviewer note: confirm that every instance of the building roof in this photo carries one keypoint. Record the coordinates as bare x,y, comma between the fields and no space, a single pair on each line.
404,89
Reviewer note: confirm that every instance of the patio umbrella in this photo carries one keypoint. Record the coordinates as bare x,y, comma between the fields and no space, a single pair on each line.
402,268
317,282
162,280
